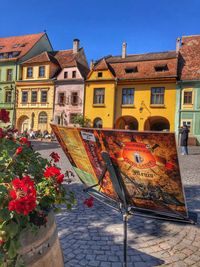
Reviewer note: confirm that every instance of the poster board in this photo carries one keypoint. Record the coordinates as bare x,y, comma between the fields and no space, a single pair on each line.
147,163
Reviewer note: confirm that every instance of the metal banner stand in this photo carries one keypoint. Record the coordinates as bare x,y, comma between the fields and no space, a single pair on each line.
119,189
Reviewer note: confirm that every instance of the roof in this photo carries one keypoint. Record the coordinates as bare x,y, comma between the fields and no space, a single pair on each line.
189,60
20,44
62,58
141,66
45,56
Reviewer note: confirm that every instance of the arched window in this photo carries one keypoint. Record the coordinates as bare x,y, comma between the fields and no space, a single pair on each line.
97,123
42,117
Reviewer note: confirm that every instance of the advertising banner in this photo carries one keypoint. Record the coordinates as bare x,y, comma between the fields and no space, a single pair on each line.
147,163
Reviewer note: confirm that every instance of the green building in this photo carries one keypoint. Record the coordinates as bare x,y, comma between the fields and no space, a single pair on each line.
188,87
13,51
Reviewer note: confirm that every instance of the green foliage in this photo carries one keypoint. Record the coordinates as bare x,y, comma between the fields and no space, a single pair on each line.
50,194
81,121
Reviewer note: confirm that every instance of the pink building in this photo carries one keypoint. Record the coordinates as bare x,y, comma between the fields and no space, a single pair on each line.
69,84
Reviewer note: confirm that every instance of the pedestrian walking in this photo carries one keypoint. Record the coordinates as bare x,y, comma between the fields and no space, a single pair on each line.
184,131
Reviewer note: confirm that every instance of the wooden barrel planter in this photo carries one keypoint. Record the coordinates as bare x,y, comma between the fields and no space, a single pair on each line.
42,248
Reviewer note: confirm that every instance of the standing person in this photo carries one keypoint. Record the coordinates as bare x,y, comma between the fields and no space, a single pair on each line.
184,131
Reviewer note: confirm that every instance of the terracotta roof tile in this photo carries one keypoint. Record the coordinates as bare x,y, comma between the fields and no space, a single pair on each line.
142,66
189,60
21,44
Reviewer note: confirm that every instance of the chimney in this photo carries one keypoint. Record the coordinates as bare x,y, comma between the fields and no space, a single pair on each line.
91,64
178,44
75,46
124,45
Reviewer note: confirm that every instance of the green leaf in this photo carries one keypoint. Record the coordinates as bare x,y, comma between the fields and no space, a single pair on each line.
12,228
12,251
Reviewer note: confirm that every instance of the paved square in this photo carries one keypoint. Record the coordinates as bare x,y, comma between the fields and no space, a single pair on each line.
94,236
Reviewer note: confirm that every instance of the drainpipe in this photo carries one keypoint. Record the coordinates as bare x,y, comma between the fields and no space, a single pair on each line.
14,97
179,110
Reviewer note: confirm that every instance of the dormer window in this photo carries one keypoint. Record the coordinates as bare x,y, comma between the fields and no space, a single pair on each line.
2,46
74,74
131,70
100,74
15,45
65,75
29,73
160,68
16,53
41,71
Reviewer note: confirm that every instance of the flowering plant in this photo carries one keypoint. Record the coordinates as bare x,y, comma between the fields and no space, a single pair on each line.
29,187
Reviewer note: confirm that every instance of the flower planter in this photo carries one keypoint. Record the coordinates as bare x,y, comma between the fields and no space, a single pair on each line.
42,249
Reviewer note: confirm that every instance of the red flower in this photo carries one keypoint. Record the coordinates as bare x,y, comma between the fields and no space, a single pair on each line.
60,178
51,171
1,241
55,156
89,202
1,133
4,115
24,141
19,150
23,196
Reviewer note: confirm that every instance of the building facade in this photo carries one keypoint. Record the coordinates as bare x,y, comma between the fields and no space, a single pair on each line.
69,84
13,51
137,92
188,87
35,93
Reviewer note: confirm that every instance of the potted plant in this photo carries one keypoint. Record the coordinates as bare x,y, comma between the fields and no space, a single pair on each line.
30,188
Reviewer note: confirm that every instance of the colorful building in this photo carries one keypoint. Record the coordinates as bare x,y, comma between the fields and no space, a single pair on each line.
188,87
69,84
35,93
133,91
13,51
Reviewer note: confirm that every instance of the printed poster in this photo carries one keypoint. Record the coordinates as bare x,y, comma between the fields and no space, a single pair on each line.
147,162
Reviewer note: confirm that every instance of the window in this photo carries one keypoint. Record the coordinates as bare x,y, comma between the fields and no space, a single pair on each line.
29,72
100,74
10,55
99,96
34,96
42,117
97,123
65,75
127,96
131,70
74,98
187,99
8,97
24,96
9,74
43,96
42,71
72,116
157,95
61,98
74,74
160,68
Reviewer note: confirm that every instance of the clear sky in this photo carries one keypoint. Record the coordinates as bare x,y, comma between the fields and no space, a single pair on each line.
103,25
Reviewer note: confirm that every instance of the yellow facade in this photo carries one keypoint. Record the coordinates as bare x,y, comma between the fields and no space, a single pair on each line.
105,111
141,114
37,114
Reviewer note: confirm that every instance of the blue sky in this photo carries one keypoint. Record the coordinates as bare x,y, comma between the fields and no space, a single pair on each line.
102,25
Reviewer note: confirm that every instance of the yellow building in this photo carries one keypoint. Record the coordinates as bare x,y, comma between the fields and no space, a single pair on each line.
35,93
133,91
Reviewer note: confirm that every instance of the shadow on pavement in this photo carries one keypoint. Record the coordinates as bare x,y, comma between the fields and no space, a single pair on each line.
41,145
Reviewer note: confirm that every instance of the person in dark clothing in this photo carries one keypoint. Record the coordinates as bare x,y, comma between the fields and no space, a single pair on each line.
184,131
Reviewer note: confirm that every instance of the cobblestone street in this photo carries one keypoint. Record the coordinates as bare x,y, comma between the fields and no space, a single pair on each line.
94,236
